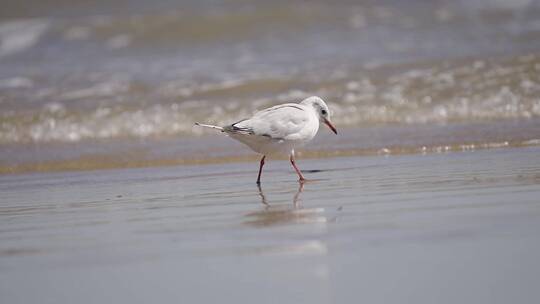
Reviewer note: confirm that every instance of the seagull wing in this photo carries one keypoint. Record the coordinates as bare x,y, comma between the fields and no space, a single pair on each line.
281,122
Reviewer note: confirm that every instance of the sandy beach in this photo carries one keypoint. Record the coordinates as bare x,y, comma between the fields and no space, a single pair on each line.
446,228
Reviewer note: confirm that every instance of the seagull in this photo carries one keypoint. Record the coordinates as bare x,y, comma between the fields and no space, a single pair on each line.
280,129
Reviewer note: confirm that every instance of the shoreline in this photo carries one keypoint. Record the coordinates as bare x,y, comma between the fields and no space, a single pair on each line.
213,149
91,163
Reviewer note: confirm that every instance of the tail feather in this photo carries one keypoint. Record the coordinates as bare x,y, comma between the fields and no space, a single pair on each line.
209,126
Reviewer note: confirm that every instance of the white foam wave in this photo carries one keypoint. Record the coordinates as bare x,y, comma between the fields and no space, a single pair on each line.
19,35
121,107
16,83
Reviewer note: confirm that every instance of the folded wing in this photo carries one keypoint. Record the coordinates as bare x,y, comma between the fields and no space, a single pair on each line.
280,122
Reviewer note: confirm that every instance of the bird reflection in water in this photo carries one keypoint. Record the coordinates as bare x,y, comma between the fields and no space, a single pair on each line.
281,214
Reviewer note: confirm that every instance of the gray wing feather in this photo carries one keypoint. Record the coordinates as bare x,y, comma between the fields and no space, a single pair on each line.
238,128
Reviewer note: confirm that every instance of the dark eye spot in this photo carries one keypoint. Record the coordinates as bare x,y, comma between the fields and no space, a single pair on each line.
323,112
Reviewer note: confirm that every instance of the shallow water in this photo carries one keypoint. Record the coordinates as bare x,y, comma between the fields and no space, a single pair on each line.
122,72
449,227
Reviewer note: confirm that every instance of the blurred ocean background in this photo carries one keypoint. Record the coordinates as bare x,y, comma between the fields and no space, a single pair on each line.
94,84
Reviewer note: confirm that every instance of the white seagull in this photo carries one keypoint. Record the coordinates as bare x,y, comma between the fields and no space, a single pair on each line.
280,129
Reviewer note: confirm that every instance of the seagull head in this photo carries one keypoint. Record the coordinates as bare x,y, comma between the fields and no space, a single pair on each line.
321,109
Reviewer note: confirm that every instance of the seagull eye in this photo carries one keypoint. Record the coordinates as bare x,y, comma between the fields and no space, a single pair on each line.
323,112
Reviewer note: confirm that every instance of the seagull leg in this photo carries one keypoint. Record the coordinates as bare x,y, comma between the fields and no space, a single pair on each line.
260,170
300,176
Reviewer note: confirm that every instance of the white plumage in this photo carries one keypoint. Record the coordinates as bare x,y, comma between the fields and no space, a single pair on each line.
280,129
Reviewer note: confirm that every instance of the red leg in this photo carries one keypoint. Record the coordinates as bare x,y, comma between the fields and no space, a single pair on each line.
300,176
260,170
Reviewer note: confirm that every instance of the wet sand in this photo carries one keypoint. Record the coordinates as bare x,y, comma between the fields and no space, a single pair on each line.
457,227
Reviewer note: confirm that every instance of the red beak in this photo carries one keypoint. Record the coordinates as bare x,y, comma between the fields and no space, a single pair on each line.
330,125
